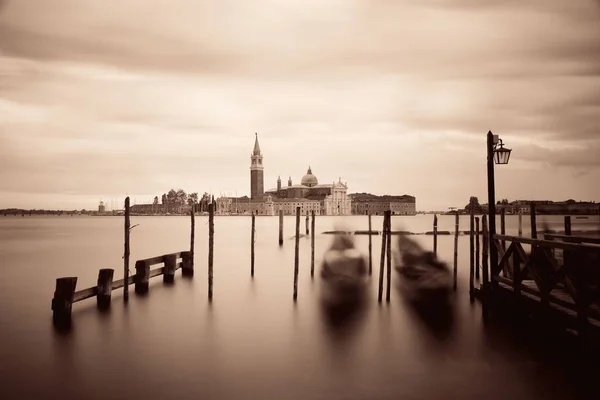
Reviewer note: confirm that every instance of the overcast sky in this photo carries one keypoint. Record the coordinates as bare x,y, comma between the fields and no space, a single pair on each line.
102,99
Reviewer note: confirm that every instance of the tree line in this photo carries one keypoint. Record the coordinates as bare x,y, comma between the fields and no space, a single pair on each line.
179,198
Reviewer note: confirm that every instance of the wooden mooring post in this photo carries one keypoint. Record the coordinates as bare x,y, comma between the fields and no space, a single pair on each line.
280,227
370,246
142,276
472,252
62,302
477,235
533,220
211,244
306,223
296,253
484,254
187,268
503,226
312,244
388,256
170,267
520,224
252,245
435,230
126,250
568,225
104,288
456,226
384,237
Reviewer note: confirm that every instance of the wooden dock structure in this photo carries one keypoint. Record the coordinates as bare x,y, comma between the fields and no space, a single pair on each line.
558,279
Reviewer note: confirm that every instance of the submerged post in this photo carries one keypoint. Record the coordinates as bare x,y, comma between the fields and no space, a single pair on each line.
312,244
435,229
211,243
252,246
456,250
382,263
62,302
296,253
281,227
471,251
104,288
389,256
126,252
370,246
170,267
477,234
142,277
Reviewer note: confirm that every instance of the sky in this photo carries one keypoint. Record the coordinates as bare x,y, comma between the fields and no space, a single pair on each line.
99,99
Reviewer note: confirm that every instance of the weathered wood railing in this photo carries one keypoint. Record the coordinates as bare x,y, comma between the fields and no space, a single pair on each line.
562,274
65,294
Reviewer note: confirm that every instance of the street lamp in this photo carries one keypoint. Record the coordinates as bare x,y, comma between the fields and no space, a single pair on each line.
496,152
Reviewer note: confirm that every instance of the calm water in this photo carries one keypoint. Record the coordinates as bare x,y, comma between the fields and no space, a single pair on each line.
252,342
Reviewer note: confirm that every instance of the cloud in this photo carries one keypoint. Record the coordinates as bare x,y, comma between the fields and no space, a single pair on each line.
107,96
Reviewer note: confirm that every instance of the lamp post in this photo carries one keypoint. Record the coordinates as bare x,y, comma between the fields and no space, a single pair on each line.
496,152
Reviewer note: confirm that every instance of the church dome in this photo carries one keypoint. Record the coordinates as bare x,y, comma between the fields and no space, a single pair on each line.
309,179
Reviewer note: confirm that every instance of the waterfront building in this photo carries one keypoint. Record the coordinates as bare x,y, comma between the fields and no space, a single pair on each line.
309,195
101,208
363,203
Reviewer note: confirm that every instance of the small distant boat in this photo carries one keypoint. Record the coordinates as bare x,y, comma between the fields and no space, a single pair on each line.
343,273
581,217
423,278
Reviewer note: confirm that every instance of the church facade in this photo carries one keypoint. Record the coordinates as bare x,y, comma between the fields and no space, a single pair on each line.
309,195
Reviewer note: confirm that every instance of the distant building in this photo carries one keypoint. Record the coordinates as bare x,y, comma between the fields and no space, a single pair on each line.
363,203
550,207
309,195
101,208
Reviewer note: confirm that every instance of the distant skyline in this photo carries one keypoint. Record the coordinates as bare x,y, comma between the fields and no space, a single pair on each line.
99,100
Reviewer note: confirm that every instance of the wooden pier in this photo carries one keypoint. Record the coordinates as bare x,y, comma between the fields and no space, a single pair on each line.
558,279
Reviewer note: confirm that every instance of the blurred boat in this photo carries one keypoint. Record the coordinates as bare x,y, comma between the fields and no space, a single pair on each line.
343,274
423,278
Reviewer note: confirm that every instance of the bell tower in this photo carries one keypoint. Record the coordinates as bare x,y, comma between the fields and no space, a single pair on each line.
257,188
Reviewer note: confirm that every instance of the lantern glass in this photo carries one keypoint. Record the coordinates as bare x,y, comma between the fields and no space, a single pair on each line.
502,155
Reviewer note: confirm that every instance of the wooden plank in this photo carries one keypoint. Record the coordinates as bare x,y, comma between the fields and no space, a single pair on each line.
572,239
85,294
551,244
119,283
156,272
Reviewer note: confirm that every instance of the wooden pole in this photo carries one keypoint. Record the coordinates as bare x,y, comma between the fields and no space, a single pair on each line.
312,244
280,227
104,288
533,220
471,251
62,302
435,230
389,256
568,225
296,253
306,223
520,224
477,234
189,269
484,255
456,250
126,252
382,264
503,226
370,246
211,243
252,245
